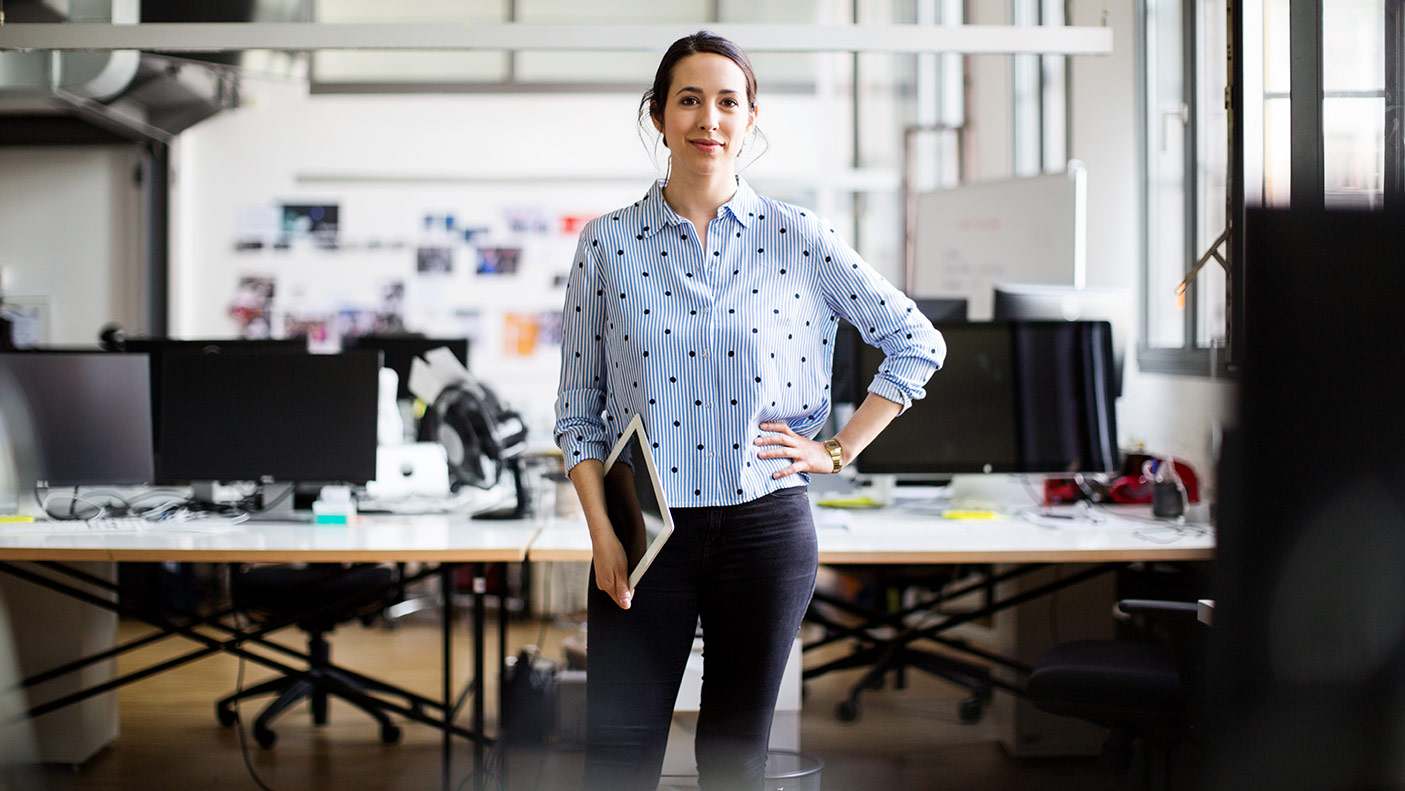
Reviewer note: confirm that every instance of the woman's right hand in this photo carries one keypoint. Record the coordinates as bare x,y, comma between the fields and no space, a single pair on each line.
611,570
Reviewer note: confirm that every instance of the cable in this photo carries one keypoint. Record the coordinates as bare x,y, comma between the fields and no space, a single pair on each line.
73,501
239,721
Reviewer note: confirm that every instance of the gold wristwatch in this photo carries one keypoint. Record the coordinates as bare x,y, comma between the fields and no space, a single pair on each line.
832,445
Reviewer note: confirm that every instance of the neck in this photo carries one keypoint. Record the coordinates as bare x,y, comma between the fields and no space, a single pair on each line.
694,195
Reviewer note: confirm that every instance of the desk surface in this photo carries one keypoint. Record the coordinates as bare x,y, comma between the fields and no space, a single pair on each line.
898,536
372,538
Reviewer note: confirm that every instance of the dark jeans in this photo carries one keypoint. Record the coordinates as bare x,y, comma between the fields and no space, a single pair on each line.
748,571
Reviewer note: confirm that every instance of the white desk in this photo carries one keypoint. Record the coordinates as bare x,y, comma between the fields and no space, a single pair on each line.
373,538
441,539
894,535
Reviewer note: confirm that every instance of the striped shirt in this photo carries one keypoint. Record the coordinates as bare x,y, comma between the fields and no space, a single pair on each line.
707,344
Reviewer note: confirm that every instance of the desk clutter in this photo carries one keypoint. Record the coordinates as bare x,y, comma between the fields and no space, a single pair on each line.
166,431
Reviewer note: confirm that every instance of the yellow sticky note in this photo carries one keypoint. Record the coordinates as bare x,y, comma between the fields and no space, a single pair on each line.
862,501
13,518
968,514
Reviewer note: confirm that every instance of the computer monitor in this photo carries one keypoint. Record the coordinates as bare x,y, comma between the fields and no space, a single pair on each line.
288,417
156,349
1021,302
1023,397
850,389
399,352
90,415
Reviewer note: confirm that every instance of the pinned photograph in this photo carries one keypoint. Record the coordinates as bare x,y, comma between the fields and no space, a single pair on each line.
252,307
434,260
317,223
499,260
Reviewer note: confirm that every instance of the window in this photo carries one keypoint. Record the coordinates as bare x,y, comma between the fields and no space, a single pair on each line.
1186,145
1039,92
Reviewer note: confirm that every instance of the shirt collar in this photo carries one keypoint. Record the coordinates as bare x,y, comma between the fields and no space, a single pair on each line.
655,212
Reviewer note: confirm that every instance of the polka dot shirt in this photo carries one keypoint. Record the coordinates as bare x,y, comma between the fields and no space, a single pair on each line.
708,338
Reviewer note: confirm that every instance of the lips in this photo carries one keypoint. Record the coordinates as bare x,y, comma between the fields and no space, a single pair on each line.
707,144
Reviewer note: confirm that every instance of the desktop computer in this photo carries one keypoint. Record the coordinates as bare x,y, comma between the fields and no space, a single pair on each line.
279,419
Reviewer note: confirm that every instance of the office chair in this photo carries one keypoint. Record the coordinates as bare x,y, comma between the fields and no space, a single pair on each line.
883,654
1147,688
333,594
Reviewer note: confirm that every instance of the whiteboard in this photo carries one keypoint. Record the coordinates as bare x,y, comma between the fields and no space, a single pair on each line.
1027,230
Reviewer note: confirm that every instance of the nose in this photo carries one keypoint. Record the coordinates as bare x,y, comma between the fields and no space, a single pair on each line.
708,121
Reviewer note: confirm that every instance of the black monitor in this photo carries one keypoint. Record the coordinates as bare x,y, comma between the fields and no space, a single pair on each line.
90,415
288,417
1017,302
850,389
214,345
1026,397
399,351
157,348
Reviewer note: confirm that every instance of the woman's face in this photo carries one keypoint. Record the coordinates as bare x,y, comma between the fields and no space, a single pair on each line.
706,113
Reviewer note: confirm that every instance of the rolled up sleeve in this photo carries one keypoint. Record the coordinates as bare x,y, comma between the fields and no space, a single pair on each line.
580,398
885,317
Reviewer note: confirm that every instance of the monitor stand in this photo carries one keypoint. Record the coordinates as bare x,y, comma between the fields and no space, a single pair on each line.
992,492
519,510
276,499
277,493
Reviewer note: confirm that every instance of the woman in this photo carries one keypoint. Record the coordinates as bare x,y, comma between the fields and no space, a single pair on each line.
711,311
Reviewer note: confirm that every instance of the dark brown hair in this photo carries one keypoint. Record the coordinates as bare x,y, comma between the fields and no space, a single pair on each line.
701,41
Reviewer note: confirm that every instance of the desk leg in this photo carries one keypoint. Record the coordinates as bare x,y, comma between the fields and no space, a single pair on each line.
480,586
446,585
502,672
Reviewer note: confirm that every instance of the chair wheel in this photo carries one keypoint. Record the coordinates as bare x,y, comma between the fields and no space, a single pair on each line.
390,734
225,714
847,710
264,736
970,710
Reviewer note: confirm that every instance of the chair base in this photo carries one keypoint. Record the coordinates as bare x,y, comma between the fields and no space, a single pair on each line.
883,659
322,684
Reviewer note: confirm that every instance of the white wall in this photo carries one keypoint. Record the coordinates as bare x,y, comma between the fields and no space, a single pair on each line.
389,160
70,234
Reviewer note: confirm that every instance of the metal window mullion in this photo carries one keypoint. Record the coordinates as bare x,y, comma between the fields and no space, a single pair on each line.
1190,89
1394,180
1143,100
1041,118
1234,210
1305,75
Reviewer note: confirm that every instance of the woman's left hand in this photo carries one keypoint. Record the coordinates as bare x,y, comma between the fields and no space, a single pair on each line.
807,454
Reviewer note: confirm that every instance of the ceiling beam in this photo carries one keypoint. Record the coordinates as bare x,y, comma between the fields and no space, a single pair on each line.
521,37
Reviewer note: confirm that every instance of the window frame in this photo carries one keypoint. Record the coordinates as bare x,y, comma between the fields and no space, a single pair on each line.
1307,154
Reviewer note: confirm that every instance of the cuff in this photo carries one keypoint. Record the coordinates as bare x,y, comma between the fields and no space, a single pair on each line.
890,391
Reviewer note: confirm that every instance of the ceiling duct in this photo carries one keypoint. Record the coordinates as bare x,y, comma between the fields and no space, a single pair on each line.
131,94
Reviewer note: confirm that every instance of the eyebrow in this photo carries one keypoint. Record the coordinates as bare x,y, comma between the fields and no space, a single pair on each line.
688,88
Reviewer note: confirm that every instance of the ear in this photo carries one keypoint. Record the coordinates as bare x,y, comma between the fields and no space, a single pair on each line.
658,124
751,122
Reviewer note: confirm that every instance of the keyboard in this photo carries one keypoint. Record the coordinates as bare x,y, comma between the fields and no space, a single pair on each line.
107,524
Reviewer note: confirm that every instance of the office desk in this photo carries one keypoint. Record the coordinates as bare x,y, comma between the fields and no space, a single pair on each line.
894,535
445,540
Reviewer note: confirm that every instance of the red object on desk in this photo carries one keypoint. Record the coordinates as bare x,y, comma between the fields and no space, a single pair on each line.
1129,487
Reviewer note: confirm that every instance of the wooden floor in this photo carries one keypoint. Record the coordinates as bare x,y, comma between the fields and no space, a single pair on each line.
908,739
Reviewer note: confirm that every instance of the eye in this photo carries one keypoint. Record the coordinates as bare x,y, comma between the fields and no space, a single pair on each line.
688,101
730,102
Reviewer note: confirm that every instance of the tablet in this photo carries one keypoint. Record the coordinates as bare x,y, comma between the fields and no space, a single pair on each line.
635,501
